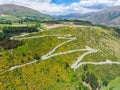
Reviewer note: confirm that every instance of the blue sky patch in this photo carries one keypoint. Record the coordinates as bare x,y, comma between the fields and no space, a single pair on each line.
66,2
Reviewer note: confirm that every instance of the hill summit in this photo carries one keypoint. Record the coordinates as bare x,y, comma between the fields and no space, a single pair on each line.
19,11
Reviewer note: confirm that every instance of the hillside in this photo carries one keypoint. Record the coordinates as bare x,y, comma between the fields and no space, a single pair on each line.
62,58
19,11
14,13
110,16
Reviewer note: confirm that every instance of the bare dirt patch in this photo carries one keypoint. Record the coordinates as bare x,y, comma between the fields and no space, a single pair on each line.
54,25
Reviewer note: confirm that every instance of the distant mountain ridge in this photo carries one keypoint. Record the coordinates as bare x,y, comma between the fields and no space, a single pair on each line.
19,11
109,16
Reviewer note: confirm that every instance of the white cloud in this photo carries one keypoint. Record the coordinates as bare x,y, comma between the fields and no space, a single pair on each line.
46,6
117,2
97,2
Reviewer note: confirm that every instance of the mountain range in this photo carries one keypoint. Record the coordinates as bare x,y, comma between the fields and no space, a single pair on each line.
110,16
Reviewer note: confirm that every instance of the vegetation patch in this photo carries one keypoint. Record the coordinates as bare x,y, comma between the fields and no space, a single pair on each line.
10,44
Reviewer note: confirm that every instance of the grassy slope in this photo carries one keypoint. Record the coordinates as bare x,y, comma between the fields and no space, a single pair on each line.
9,18
114,84
55,73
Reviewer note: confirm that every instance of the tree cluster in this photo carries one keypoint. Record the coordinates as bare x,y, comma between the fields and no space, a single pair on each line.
10,44
3,37
91,79
82,23
3,21
17,30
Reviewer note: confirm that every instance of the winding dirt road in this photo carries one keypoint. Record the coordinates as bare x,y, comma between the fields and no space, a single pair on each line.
78,62
19,66
50,54
97,63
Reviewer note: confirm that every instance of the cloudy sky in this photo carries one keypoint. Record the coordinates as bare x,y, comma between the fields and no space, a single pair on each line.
56,7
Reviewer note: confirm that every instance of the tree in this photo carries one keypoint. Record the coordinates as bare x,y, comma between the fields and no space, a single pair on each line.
36,56
91,79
